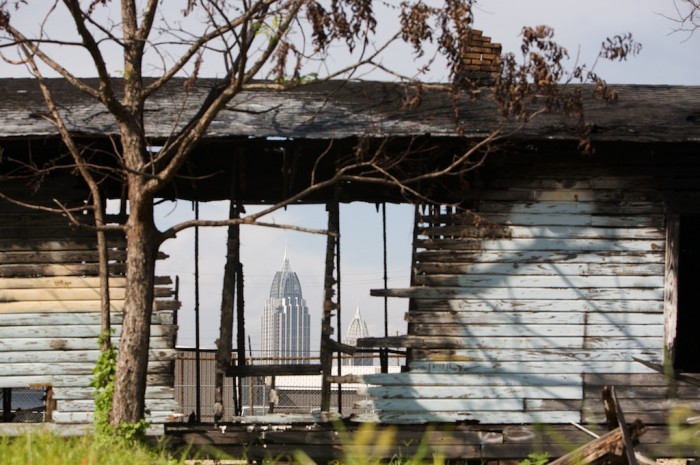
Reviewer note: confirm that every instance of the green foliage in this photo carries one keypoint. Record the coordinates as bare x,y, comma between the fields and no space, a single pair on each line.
47,449
535,459
103,382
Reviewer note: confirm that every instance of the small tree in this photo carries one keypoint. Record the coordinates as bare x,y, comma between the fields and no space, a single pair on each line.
247,40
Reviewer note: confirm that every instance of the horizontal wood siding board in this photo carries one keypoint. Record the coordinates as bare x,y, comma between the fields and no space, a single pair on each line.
545,355
537,331
539,269
533,305
87,417
72,368
59,294
530,367
544,232
76,331
541,256
619,294
485,417
93,318
65,356
75,306
88,393
496,317
442,405
70,380
82,282
593,208
473,392
625,379
64,269
88,405
530,281
72,344
544,244
468,379
522,343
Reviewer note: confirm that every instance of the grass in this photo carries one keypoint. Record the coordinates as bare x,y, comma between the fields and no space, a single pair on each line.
47,449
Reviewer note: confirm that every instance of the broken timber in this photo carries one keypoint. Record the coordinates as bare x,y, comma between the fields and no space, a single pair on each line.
621,437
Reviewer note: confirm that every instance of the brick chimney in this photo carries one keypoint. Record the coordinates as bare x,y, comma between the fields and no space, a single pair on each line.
481,60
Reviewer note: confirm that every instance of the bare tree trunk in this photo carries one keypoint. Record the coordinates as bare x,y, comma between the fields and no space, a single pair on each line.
106,327
132,362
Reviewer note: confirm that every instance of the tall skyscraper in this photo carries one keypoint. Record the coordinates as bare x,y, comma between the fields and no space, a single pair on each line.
285,320
356,330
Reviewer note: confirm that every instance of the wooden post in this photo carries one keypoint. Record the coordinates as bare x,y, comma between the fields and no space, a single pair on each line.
606,444
328,305
7,405
228,294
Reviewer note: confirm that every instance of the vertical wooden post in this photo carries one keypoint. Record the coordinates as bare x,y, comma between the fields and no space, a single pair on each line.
240,335
197,355
328,304
224,344
7,405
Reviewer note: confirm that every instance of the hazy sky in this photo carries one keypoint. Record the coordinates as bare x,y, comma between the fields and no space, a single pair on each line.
666,58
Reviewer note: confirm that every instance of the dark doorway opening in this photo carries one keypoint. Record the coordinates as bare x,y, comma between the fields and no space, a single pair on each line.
687,344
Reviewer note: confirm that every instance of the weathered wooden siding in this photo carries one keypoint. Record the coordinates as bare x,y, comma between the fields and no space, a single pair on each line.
50,310
524,308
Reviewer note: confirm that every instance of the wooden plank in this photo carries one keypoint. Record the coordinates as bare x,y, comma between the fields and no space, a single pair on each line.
535,305
543,269
533,318
467,379
70,294
87,417
82,282
67,380
458,230
518,330
94,318
555,281
523,343
541,256
571,208
77,306
88,405
598,380
529,219
71,344
74,331
66,356
488,417
557,245
598,448
472,392
59,244
63,269
531,367
87,393
77,368
60,256
522,293
549,355
442,405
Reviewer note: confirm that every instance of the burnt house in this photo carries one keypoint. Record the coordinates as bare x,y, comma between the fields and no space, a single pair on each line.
538,278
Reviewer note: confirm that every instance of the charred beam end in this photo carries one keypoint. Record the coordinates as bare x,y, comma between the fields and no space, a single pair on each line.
336,346
272,370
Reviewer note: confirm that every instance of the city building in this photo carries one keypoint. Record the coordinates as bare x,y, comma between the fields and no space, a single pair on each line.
356,330
285,320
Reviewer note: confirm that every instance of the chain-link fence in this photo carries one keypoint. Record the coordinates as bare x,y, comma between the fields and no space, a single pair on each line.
23,405
263,395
